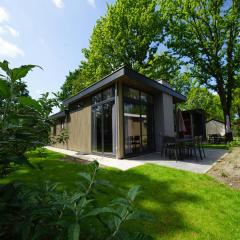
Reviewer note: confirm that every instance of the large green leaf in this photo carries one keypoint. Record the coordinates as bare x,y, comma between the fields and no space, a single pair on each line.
4,67
102,210
139,215
21,72
4,89
27,101
74,232
86,176
132,193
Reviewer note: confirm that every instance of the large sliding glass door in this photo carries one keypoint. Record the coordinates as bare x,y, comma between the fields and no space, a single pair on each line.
103,131
97,134
138,121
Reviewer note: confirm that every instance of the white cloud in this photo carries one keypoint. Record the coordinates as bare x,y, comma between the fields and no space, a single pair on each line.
12,31
92,3
8,49
2,30
6,29
4,17
58,3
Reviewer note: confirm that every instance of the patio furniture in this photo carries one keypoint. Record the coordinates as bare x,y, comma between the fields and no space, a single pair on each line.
196,145
215,138
169,147
187,147
181,148
200,141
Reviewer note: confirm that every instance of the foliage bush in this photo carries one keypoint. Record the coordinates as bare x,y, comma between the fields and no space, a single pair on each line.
43,212
235,142
24,122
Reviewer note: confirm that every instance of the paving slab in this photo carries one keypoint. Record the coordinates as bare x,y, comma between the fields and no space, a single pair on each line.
192,165
121,164
200,166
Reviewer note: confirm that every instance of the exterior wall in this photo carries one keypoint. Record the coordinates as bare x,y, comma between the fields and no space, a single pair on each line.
215,127
168,116
78,125
119,118
163,118
158,121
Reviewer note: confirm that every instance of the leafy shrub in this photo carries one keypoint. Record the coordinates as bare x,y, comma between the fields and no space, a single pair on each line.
235,142
42,212
24,122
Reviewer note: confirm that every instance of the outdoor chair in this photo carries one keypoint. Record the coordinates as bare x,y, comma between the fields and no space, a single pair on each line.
199,146
200,138
191,148
169,147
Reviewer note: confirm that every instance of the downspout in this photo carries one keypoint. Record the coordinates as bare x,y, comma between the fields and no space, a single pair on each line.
116,118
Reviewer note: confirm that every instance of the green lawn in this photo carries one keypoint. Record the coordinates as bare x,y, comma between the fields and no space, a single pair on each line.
216,146
184,205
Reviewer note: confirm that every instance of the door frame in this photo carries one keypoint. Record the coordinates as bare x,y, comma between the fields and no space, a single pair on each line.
101,104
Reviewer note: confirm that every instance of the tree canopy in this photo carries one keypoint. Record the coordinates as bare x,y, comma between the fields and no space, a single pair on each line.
183,42
202,98
121,37
205,34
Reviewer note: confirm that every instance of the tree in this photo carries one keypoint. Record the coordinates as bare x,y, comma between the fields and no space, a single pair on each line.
128,34
205,33
67,88
165,67
236,103
201,98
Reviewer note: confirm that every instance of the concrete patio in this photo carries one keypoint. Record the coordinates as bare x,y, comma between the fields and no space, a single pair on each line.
201,166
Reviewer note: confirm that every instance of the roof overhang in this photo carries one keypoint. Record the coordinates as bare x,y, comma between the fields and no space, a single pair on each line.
59,115
117,75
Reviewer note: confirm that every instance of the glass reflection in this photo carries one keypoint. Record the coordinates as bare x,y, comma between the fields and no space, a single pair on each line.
138,125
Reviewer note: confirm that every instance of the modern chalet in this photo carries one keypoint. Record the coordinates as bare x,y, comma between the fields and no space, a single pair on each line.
124,114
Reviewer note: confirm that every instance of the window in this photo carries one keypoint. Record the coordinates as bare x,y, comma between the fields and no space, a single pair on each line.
97,98
108,93
131,93
146,98
104,95
103,122
138,121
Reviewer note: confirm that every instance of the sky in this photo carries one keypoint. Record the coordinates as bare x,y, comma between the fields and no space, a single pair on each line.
48,33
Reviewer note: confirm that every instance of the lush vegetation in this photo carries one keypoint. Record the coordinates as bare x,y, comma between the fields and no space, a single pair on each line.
40,211
24,122
216,146
188,43
183,205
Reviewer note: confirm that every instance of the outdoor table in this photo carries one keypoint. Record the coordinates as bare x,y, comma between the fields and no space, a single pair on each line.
181,144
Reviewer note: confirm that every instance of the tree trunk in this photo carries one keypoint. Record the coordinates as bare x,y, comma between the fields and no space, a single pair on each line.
226,112
226,107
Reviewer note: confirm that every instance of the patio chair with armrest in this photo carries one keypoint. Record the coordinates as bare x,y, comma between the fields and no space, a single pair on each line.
197,144
201,145
169,147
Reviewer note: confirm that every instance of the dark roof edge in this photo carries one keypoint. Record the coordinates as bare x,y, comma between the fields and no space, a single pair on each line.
212,119
155,84
119,73
78,95
58,115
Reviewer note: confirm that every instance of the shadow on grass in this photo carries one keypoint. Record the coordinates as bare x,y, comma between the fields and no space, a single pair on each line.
158,197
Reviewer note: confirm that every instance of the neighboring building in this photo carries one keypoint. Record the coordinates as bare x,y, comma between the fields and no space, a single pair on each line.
123,114
214,126
194,121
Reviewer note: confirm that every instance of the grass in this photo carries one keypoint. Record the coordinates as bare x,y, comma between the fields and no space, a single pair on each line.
216,146
184,205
